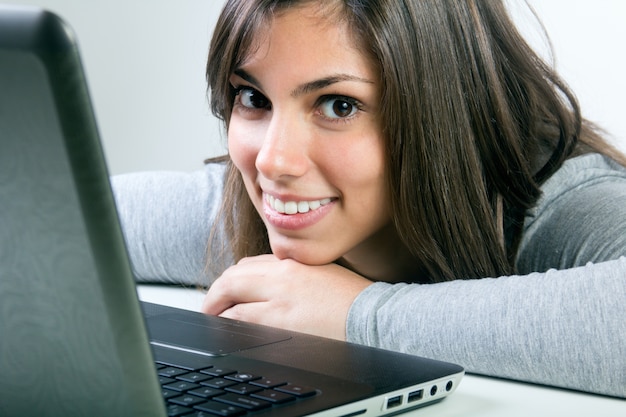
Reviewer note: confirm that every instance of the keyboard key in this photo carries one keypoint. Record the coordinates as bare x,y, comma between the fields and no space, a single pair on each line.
175,410
220,409
194,377
186,400
248,403
297,390
181,386
243,389
274,397
171,372
165,380
181,366
206,392
167,393
242,377
217,371
200,414
218,383
268,382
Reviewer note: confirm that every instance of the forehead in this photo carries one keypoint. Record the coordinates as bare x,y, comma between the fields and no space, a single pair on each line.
317,33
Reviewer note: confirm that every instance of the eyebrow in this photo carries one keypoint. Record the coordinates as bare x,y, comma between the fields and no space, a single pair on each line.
325,82
311,86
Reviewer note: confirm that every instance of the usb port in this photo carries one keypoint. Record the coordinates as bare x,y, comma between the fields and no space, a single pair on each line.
394,401
415,396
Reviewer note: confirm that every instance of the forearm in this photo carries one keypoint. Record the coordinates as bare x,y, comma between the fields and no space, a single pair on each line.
563,328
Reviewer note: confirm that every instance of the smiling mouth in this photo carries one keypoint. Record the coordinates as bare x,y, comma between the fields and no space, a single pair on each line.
295,207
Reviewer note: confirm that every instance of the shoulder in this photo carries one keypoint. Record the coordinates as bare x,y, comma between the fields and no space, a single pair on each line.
581,172
578,219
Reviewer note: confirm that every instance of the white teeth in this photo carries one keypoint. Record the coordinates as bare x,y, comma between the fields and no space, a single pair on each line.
303,207
293,207
278,205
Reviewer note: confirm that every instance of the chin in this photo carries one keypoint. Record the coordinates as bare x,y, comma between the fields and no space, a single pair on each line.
303,256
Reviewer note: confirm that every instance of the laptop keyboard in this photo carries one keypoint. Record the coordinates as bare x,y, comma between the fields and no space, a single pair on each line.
212,391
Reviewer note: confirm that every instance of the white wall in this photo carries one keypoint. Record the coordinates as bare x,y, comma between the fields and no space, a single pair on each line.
588,40
145,66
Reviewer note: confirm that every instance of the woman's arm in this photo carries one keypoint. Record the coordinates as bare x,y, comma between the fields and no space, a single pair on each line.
167,218
561,328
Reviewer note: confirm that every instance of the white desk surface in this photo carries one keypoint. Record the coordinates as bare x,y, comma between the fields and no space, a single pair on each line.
476,396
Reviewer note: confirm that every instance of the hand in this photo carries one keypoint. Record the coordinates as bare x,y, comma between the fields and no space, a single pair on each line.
286,294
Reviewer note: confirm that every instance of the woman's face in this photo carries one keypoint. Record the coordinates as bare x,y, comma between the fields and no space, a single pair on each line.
305,134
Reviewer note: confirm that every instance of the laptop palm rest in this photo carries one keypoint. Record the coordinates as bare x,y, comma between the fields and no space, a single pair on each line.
208,335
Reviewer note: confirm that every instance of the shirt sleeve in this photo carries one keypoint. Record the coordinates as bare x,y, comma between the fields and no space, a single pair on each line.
167,218
580,218
559,328
563,325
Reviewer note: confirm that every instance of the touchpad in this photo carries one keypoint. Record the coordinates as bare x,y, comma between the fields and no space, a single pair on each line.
209,334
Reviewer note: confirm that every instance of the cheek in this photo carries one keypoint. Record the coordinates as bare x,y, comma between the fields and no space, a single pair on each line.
242,147
362,163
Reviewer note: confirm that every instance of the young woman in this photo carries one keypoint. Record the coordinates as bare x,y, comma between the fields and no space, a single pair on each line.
408,175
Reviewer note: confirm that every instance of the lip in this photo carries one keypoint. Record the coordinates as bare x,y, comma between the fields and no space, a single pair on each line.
296,221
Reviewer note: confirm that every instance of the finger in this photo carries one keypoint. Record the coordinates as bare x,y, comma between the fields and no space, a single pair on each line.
249,312
214,302
239,284
265,313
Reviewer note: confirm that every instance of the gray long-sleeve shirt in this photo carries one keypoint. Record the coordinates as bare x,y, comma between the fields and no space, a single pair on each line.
561,322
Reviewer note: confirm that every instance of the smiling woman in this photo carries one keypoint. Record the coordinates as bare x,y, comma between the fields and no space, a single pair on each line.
305,128
411,175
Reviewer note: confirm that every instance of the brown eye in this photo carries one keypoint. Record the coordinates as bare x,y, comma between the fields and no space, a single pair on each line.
338,107
252,99
342,108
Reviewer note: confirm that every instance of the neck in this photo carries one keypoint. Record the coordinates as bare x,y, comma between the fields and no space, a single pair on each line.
383,257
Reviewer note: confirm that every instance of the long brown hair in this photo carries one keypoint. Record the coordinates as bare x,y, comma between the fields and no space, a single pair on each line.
474,121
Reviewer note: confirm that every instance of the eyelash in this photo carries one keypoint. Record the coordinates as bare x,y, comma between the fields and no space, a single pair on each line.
356,104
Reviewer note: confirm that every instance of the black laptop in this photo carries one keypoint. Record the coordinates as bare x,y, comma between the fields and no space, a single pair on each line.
74,338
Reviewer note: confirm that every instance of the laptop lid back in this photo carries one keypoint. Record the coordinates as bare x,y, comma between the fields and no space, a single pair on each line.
71,329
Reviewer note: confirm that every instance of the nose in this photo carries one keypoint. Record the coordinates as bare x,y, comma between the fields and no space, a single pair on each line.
284,151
